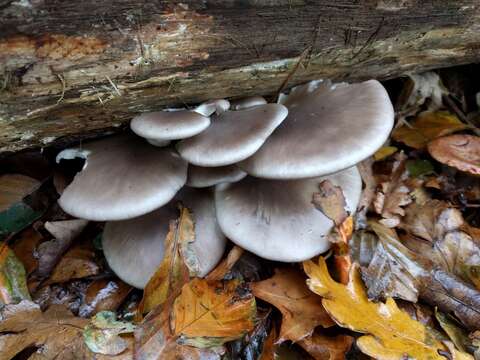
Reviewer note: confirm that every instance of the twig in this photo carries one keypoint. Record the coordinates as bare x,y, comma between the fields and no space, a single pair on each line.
62,80
451,104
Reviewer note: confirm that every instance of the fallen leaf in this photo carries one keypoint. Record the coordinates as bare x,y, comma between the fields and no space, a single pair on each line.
394,194
173,272
25,246
384,152
104,295
459,151
301,310
102,334
331,202
50,252
426,127
322,347
390,332
268,349
14,187
417,168
454,331
209,313
226,265
77,263
13,283
368,193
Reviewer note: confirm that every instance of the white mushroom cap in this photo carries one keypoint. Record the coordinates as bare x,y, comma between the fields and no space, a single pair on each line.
135,248
232,136
328,128
276,219
161,126
245,103
217,106
123,177
199,177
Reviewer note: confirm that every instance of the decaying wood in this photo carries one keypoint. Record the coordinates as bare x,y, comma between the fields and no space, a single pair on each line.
77,67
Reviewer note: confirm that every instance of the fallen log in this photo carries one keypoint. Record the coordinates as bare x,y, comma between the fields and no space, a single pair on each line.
72,68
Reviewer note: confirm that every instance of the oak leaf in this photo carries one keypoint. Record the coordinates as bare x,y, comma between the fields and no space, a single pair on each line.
301,310
209,313
458,151
426,127
390,332
322,347
173,272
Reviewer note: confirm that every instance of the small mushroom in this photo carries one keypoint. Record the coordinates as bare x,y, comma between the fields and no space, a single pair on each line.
328,128
199,177
123,177
245,103
217,106
233,136
135,248
162,126
276,219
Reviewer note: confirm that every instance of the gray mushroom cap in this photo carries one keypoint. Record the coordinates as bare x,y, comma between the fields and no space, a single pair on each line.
275,219
200,177
123,177
135,248
161,126
328,128
217,106
245,103
232,136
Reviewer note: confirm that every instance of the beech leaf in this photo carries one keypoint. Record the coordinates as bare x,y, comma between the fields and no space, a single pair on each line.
301,310
458,151
209,313
389,332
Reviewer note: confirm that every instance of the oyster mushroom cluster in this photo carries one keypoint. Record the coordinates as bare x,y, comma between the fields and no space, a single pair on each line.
246,169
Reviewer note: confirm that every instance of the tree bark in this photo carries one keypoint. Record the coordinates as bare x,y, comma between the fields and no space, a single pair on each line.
79,67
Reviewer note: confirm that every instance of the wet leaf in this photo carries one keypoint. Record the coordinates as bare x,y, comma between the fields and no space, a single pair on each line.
104,295
301,310
268,350
390,332
426,127
417,168
459,151
102,334
14,187
172,273
331,202
50,252
209,313
454,331
226,265
322,347
384,152
13,284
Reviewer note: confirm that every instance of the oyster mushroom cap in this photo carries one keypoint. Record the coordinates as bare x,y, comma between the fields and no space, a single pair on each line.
123,177
200,177
232,136
210,107
161,126
245,103
135,248
329,128
276,219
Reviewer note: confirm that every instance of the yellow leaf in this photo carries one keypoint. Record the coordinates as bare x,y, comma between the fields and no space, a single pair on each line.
428,126
390,332
13,283
213,310
301,310
384,152
172,273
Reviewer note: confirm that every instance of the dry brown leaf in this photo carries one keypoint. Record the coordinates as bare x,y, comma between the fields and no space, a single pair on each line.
394,194
301,310
426,127
331,202
390,332
103,295
14,187
77,263
212,312
368,193
226,265
322,347
172,273
459,151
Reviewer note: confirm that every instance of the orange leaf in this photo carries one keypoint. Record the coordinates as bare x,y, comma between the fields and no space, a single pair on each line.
212,309
322,347
301,310
226,265
459,151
